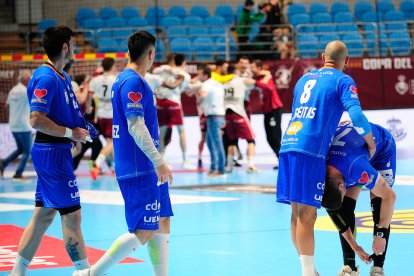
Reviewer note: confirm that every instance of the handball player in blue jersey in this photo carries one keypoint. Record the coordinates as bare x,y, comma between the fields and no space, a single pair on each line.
320,98
141,172
348,169
55,114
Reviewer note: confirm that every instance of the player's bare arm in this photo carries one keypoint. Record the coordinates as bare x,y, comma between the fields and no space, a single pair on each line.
349,237
142,137
388,196
40,122
174,84
369,140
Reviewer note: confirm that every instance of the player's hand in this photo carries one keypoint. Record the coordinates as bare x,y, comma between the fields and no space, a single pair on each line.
79,134
164,174
378,246
361,254
76,149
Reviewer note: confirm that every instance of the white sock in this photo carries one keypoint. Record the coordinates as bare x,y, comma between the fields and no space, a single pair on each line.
20,266
308,266
81,264
250,161
184,157
158,249
230,160
100,159
122,247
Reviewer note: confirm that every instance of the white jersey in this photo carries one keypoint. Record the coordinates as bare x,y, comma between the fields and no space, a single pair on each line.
154,81
234,94
213,103
193,89
169,74
102,87
248,75
19,109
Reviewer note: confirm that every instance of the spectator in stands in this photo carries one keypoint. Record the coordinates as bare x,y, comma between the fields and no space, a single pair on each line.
19,113
244,28
282,40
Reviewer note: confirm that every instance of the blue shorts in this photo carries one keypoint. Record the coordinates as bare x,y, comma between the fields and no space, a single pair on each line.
301,179
56,184
145,201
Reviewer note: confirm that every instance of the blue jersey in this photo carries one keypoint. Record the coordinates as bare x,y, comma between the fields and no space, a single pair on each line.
51,92
319,100
349,155
131,96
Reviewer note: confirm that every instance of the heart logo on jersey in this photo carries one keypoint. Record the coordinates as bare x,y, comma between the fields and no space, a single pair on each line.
354,89
40,93
135,97
364,178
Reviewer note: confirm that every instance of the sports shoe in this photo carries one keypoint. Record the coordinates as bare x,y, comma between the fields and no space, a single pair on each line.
347,271
236,164
188,165
376,271
95,171
1,170
200,164
253,169
83,272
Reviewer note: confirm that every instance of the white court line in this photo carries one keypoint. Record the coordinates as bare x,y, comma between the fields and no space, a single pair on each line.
115,197
7,207
404,180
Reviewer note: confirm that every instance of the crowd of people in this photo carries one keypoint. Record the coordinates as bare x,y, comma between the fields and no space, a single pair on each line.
311,172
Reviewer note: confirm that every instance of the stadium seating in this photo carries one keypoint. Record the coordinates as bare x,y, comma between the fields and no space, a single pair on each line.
170,21
129,12
319,18
137,22
372,16
225,11
355,44
46,23
107,46
159,50
107,12
384,6
178,11
300,18
176,31
200,11
193,21
308,46
203,48
83,14
372,47
221,47
343,17
338,7
294,9
195,32
318,8
325,39
347,28
407,7
361,8
181,45
216,24
93,23
400,43
154,15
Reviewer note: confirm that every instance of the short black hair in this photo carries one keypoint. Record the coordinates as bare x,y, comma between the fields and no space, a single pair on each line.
138,44
205,70
179,59
54,38
107,63
244,57
231,69
332,197
220,62
248,3
79,79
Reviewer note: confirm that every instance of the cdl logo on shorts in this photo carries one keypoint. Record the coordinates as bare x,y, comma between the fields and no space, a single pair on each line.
154,206
320,186
72,183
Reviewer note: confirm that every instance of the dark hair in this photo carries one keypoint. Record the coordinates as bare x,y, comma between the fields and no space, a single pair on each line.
249,3
231,69
138,44
107,64
67,67
54,38
258,63
79,79
171,57
244,57
179,59
220,62
205,70
332,197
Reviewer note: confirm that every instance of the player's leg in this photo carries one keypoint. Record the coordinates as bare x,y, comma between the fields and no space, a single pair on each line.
183,145
72,236
293,225
231,152
273,130
159,246
31,238
12,156
211,145
201,148
305,238
26,145
105,152
163,133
